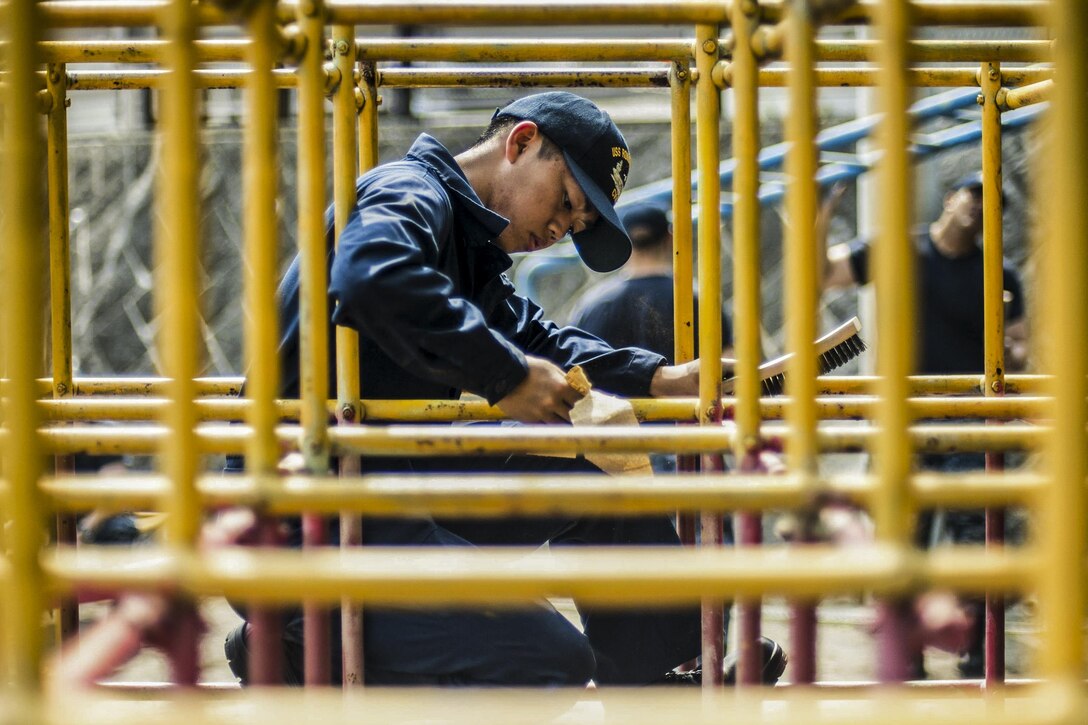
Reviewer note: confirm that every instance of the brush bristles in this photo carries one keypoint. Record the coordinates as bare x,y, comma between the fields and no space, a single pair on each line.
773,385
839,355
833,357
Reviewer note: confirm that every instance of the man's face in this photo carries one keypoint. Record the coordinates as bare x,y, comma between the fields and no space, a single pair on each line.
541,199
964,208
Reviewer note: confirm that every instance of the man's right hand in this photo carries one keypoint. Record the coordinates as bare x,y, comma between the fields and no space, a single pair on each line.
542,397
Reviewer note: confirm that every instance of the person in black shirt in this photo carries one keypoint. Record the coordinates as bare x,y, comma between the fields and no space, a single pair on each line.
637,309
951,340
950,300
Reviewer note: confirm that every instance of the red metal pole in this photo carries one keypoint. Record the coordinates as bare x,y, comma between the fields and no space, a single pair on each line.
265,629
685,523
67,535
749,660
315,618
994,649
894,655
184,653
711,534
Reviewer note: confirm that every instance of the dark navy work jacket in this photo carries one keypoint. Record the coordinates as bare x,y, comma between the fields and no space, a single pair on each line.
418,276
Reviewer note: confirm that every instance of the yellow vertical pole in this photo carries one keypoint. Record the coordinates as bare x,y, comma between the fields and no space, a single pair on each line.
682,261
1062,584
60,301
746,302
994,338
59,259
177,301
894,263
345,160
802,290
261,170
313,302
366,100
992,234
707,143
23,243
261,234
176,248
683,323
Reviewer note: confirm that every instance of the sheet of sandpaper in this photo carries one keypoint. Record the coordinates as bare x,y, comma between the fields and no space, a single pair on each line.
596,408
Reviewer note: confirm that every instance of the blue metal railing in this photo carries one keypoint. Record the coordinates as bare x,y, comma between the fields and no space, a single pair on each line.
836,165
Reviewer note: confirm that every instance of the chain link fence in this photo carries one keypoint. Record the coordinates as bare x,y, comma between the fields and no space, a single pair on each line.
112,186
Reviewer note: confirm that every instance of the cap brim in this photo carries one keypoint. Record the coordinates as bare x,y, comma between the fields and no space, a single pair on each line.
605,246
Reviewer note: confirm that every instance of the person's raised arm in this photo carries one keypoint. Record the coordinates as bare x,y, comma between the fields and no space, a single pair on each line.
835,269
1016,345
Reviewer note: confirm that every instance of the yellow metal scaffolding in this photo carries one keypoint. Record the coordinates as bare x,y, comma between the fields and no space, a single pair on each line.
182,418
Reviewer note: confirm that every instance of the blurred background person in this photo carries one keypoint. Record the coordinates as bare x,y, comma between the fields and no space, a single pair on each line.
950,338
636,308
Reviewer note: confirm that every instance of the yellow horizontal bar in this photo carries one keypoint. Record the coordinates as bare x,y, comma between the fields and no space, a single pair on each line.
830,407
918,77
1010,98
539,77
497,576
151,409
139,51
614,576
980,570
228,385
407,440
992,13
392,77
948,51
932,384
93,13
520,77
504,50
827,385
1045,704
481,440
130,13
646,409
489,495
85,80
524,12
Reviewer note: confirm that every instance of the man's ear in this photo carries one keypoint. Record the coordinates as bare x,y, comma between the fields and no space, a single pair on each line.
519,139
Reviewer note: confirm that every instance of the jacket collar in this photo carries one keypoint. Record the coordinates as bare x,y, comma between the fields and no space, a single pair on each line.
480,225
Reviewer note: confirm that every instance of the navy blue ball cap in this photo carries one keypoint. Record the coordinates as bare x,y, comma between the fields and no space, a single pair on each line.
599,159
652,220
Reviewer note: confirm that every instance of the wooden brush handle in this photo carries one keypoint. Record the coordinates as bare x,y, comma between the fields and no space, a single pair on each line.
777,366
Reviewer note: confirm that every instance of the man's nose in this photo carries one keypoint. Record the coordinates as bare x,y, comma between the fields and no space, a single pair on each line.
559,226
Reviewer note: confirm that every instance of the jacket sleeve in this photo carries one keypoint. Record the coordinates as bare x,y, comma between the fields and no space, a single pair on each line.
387,286
624,371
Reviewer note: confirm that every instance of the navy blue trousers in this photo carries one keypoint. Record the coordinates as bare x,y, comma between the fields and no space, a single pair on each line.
534,645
